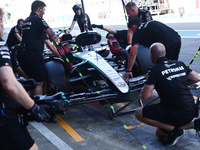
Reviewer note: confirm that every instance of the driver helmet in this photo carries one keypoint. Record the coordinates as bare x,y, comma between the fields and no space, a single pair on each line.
76,7
73,48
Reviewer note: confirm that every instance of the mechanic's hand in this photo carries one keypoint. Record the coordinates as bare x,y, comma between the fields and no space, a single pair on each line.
128,48
97,26
39,112
128,75
63,49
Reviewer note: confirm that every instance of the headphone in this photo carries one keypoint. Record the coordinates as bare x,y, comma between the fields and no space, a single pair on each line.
41,10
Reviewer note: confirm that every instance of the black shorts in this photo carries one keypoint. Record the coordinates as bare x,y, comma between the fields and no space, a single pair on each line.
173,52
33,66
15,137
167,115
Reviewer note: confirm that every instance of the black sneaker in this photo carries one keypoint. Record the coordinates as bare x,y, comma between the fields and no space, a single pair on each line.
197,126
174,136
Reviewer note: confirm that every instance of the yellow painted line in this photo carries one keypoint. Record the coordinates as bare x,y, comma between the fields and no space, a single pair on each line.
121,105
135,126
70,130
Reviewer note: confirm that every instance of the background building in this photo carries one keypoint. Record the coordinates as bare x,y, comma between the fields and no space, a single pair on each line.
59,12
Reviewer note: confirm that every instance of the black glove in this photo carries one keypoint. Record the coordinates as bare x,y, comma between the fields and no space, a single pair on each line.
63,49
39,112
97,26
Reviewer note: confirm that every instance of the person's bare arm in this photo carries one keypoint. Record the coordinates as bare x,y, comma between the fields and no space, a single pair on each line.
18,37
72,26
129,36
110,30
193,78
52,35
146,91
21,72
52,48
14,88
104,28
131,61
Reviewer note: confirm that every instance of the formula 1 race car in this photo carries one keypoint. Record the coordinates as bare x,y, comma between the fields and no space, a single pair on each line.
142,62
91,79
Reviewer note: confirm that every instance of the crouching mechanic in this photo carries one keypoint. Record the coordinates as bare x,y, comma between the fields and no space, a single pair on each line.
116,49
170,78
120,35
12,135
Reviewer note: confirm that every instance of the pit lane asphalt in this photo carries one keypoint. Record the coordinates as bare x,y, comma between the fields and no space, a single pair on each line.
91,123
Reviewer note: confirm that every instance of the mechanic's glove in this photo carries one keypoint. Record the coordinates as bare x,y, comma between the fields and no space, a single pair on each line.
128,48
39,112
63,49
97,26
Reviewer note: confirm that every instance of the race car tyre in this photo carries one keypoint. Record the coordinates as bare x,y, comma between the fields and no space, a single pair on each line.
143,61
55,74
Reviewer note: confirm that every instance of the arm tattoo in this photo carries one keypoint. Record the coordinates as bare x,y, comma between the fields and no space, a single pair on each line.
53,36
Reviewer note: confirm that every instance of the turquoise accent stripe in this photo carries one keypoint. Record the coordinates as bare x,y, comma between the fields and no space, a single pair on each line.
189,33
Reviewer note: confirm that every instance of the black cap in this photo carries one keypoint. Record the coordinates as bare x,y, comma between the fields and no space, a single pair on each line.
133,21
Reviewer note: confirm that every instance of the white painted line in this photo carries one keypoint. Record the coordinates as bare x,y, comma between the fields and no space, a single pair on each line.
190,37
54,139
188,30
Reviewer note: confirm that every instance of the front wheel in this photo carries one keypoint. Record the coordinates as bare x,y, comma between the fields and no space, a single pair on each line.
56,80
143,61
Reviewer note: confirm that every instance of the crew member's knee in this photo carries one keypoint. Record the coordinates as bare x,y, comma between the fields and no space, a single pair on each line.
34,147
138,113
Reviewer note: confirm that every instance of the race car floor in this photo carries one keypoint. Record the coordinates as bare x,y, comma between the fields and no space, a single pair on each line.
87,127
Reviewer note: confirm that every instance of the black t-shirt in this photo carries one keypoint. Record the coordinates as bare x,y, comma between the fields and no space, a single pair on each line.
170,80
80,20
46,37
4,61
121,37
33,34
12,39
153,31
144,15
